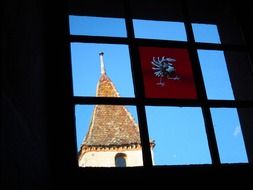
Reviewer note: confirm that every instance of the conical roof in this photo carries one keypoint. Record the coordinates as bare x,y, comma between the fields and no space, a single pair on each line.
111,125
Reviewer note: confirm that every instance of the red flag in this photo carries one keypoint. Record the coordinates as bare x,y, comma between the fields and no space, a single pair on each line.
167,73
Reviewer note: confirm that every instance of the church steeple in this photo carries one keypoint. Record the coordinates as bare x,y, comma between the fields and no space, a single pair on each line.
113,134
113,137
111,125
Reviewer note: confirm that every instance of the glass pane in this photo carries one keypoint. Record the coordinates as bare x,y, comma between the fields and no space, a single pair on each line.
229,135
87,70
120,162
106,131
159,30
207,33
179,135
167,73
97,26
215,74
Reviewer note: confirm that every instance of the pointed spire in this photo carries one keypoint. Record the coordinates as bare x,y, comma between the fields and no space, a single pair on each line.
102,65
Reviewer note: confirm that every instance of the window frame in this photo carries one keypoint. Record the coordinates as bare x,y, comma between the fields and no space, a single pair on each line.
140,101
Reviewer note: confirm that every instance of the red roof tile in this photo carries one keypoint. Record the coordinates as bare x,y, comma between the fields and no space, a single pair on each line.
111,125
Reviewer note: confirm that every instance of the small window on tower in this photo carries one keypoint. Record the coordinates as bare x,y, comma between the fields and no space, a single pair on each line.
120,160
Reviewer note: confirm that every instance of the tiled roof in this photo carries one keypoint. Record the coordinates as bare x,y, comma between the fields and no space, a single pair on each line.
111,125
106,88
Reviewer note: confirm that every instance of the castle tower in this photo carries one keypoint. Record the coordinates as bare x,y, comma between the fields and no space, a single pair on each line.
113,138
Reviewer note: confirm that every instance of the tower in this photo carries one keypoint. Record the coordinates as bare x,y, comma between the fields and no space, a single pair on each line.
113,138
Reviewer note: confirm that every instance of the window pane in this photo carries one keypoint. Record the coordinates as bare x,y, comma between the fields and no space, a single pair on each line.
87,73
120,160
167,73
159,30
207,33
215,74
179,135
229,135
105,131
97,26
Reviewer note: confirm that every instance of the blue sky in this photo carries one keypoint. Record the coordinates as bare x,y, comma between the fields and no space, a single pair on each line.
86,68
179,132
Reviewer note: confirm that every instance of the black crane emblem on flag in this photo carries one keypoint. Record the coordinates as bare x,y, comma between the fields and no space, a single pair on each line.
164,68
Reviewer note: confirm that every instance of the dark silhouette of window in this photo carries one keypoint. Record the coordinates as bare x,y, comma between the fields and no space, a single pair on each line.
120,160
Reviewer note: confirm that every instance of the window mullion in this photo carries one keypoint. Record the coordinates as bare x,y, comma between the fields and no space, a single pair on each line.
138,87
200,87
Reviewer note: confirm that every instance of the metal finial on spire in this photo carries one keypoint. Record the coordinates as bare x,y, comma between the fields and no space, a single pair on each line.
102,65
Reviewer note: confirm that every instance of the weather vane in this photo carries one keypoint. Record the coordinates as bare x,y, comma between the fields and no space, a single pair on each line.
164,67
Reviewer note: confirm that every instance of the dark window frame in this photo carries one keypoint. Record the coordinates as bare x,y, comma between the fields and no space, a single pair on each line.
140,101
